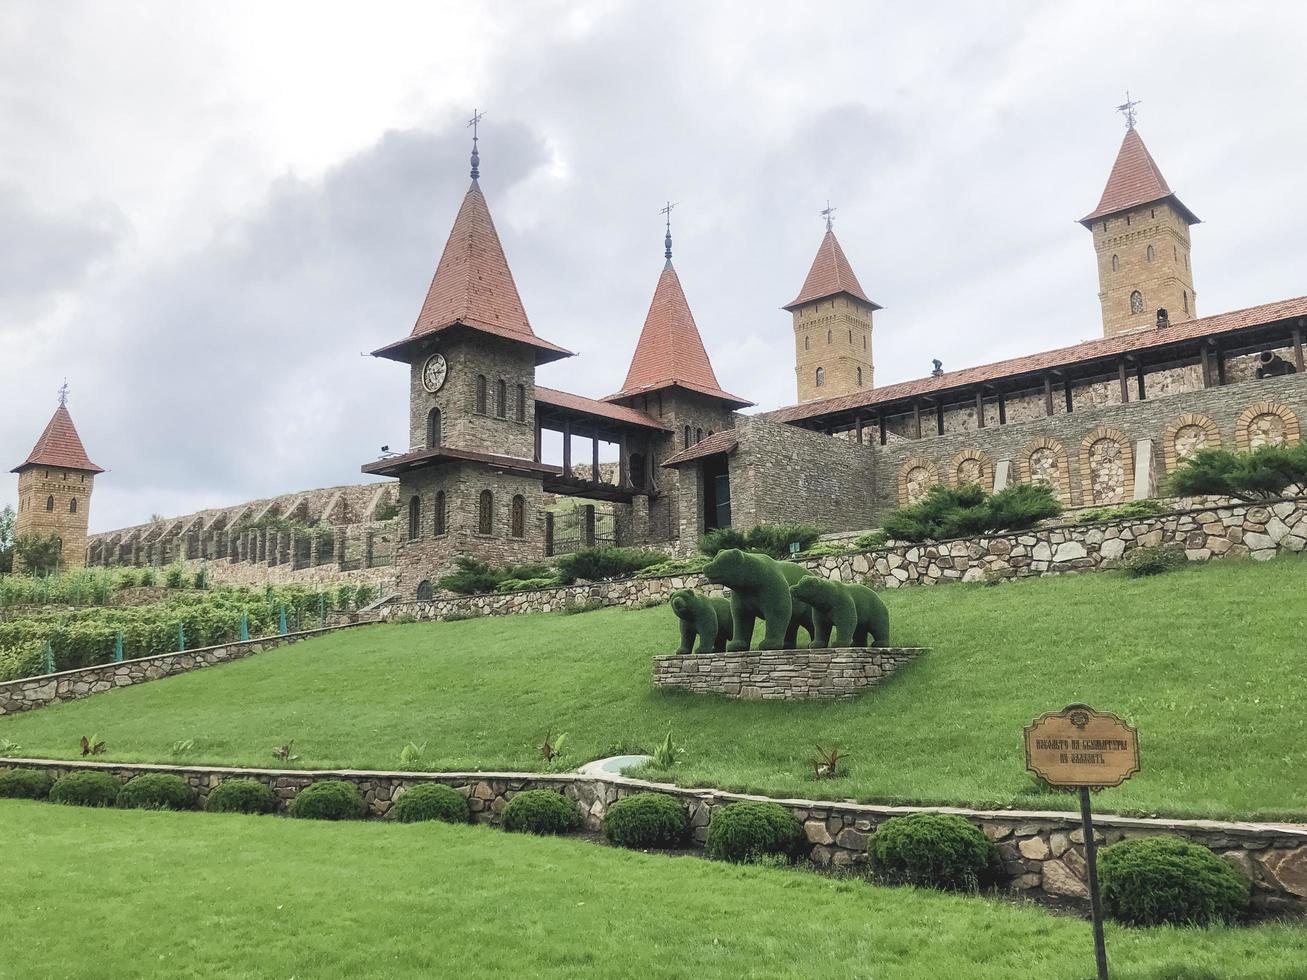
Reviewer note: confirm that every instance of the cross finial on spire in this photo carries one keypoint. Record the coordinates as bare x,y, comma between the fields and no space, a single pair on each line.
63,394
829,214
477,116
667,239
1127,109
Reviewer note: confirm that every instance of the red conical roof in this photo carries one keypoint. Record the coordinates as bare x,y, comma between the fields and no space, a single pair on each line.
1135,180
60,446
670,351
830,275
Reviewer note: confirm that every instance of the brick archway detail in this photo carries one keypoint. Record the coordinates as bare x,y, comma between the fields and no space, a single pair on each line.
975,455
1059,456
1126,454
1243,434
910,465
1170,449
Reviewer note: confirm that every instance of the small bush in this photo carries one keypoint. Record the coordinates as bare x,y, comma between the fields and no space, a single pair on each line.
86,789
674,566
605,562
871,541
748,830
329,799
241,796
954,512
646,820
1263,473
1153,561
25,784
175,577
1167,880
935,850
475,577
432,801
823,548
523,584
541,811
1122,512
156,791
770,539
364,595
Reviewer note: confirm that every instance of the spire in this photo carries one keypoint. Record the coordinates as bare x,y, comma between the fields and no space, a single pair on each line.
477,116
1135,179
60,445
831,273
667,239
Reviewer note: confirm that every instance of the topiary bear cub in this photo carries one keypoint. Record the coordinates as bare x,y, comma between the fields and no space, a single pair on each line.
855,613
760,586
705,617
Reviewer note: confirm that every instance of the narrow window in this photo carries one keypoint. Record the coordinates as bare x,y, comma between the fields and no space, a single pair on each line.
441,520
1136,302
1151,253
486,513
481,394
425,590
414,517
501,399
1154,211
821,377
1116,264
805,341
850,336
828,336
1127,220
1184,293
519,516
72,506
433,428
859,377
698,435
49,502
686,444
521,403
864,341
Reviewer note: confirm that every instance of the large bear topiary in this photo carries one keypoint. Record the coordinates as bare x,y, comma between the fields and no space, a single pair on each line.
705,617
856,614
760,587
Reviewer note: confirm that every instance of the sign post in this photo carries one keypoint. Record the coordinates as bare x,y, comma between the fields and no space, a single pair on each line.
1088,749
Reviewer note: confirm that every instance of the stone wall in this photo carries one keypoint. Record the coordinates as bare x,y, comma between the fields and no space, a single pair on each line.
783,675
72,685
1041,850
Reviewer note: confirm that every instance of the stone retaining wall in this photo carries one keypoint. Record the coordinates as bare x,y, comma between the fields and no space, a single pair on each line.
783,675
30,693
1041,850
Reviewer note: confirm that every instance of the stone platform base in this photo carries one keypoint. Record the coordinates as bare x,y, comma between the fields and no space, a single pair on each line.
783,675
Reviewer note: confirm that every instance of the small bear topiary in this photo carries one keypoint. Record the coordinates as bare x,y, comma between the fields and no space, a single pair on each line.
541,811
156,791
1169,881
760,588
329,799
25,784
241,796
646,820
749,830
843,615
432,801
935,850
86,789
707,618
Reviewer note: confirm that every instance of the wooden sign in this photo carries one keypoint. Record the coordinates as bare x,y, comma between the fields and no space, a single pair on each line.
1079,746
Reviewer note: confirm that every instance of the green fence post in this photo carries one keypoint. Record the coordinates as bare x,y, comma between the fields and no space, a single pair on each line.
322,609
245,626
181,637
118,648
47,659
281,622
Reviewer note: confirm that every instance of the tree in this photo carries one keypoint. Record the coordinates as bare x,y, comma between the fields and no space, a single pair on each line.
1262,474
40,553
948,512
7,520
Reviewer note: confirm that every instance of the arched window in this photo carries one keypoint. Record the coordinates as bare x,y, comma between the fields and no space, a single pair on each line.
481,394
501,399
442,520
414,517
72,506
805,342
828,336
521,403
486,513
859,377
698,435
424,590
518,526
686,440
1185,294
1136,302
821,377
1150,254
864,341
433,428
1116,264
850,336
49,502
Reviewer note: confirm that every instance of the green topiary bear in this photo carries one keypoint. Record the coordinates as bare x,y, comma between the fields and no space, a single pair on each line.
705,617
760,586
854,611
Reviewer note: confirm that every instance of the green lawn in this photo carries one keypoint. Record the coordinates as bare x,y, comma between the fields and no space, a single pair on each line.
104,893
1208,662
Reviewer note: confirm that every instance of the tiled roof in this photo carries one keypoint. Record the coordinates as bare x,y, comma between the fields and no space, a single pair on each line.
718,442
1135,180
60,446
830,275
1119,345
591,406
394,465
670,351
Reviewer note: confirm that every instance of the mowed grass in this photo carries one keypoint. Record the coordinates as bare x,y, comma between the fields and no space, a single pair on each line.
205,895
1207,661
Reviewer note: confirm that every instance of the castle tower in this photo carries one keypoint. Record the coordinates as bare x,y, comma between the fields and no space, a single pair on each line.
832,326
1141,235
54,488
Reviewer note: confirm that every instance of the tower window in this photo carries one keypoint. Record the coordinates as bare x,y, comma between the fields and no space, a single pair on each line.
805,342
521,403
1136,302
821,377
698,435
49,502
481,394
414,517
433,428
686,441
864,341
486,513
850,336
1116,264
72,506
501,398
828,336
859,377
1184,293
442,521
1154,211
518,529
1150,254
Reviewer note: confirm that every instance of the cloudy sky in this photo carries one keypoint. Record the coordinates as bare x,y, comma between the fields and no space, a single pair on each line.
207,211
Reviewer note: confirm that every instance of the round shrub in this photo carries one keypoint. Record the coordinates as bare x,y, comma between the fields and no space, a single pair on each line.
25,784
1153,560
86,789
329,799
1166,880
156,791
432,801
541,811
937,850
646,820
241,796
747,831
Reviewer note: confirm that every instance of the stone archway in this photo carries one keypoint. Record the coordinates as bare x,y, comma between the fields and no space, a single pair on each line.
1266,424
1186,435
1044,460
972,466
1107,470
916,476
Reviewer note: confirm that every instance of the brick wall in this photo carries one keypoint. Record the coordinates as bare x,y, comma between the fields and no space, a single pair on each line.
55,501
783,675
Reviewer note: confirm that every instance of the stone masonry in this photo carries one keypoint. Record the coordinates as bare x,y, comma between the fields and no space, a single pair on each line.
783,675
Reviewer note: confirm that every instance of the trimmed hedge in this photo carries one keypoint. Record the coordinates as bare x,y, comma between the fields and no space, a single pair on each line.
1153,560
156,791
329,799
25,784
541,811
935,850
605,562
432,801
646,820
748,830
241,796
86,789
1169,881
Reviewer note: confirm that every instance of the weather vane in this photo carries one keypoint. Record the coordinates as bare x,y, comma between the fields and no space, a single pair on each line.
63,394
667,239
477,116
1127,109
829,214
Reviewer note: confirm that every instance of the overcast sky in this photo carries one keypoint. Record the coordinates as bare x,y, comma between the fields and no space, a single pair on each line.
207,211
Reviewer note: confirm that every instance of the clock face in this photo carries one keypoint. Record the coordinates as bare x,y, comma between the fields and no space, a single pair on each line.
433,373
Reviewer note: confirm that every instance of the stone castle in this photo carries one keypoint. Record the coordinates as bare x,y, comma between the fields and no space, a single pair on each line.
1102,422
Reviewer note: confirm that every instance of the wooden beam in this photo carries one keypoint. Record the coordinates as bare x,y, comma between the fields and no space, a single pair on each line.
939,418
857,422
1220,364
916,419
1002,407
1206,366
1297,348
880,423
623,470
1139,380
539,432
567,448
1066,387
1048,394
1125,388
980,408
594,455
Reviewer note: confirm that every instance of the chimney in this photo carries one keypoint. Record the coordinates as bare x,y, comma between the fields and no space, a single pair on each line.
1163,319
